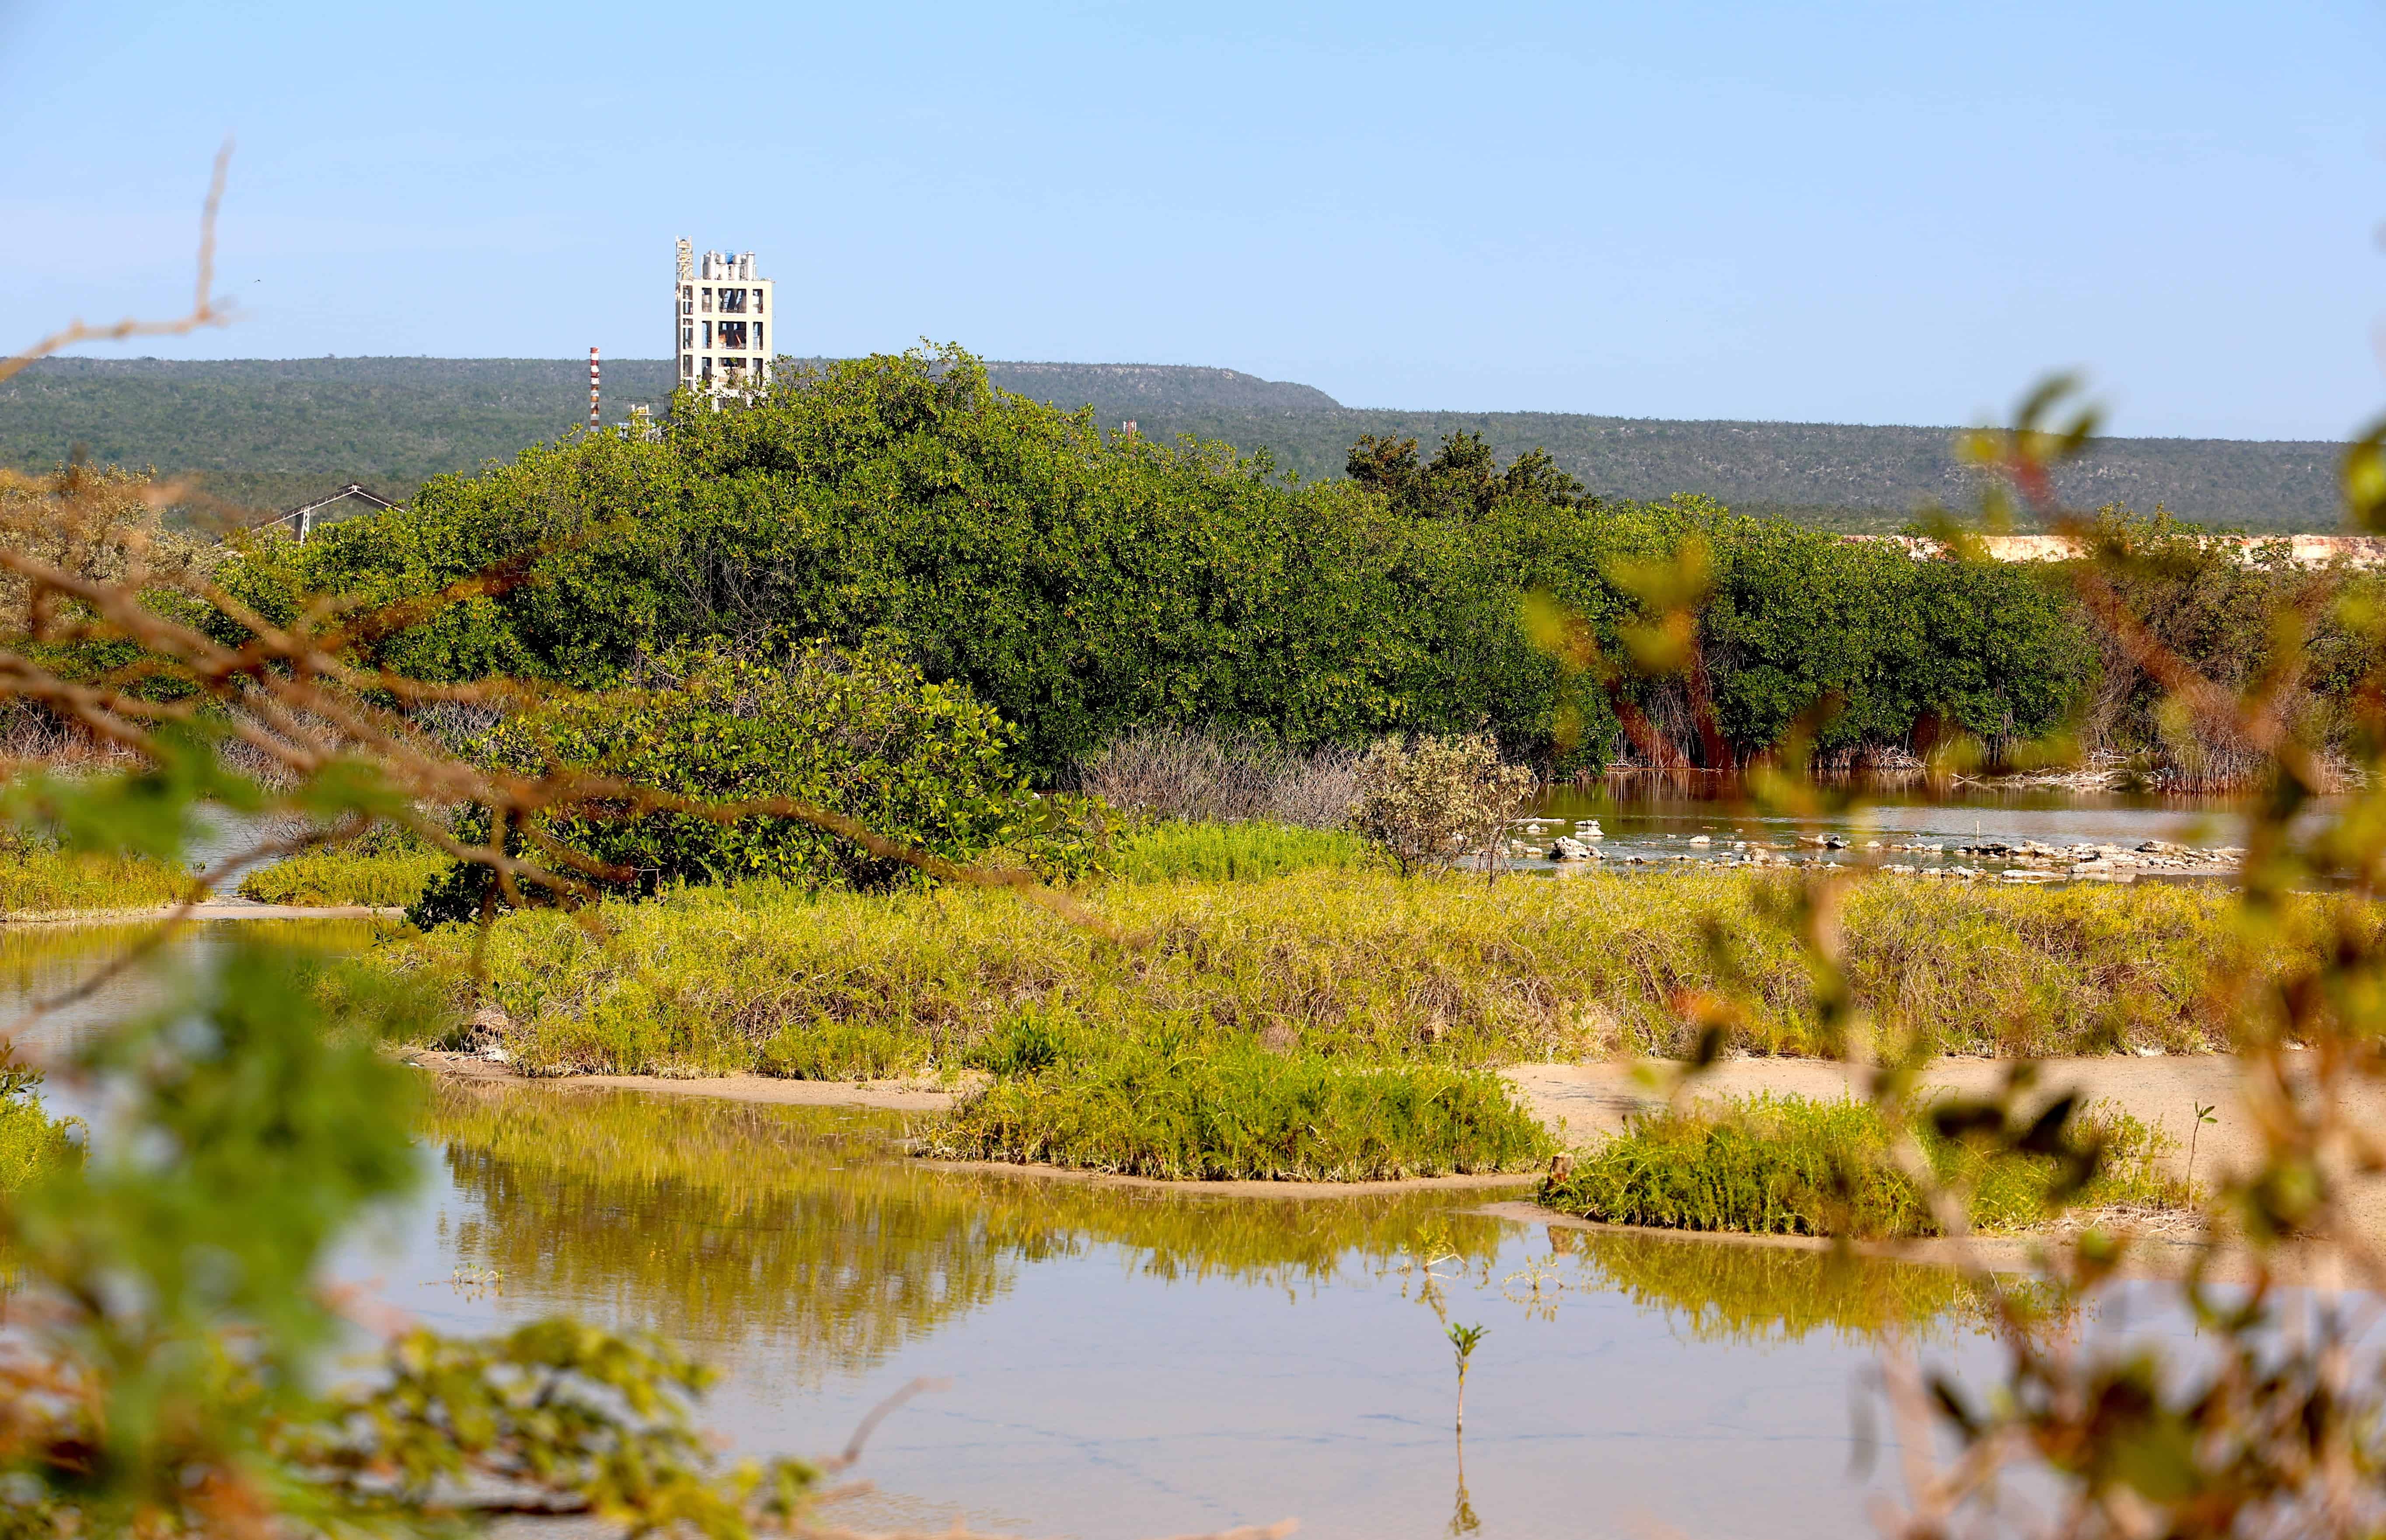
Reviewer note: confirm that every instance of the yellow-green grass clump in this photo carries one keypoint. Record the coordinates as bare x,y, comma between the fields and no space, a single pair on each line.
1237,852
40,879
1241,1110
1356,966
338,876
1783,1165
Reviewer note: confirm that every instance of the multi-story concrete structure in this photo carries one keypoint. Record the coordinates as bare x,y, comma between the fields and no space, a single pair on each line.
722,322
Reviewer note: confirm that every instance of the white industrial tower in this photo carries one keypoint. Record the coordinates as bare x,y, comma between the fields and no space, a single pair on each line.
721,321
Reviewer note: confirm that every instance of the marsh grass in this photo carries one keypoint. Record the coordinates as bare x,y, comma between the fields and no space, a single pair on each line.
1359,966
38,878
337,876
1248,851
1785,1165
1242,1111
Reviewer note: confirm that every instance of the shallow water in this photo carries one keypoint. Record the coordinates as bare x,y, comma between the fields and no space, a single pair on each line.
1136,1362
1655,817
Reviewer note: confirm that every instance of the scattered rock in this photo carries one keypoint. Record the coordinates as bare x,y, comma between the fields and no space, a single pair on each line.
486,1030
1567,850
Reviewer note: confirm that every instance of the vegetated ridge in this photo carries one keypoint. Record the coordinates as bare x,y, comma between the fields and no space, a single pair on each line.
268,433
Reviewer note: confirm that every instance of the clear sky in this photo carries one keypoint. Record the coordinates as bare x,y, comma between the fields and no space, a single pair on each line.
1880,213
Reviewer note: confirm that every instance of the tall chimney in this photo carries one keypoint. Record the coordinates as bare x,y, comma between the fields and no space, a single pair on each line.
591,389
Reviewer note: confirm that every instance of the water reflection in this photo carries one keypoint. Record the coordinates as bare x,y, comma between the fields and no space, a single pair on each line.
810,1228
1131,1360
1713,1290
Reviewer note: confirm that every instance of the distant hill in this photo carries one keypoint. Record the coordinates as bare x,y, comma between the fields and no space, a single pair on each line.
270,432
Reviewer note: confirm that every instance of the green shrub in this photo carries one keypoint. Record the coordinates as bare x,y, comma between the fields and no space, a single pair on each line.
1085,585
854,734
1230,852
1782,1165
33,1144
1438,800
1242,1111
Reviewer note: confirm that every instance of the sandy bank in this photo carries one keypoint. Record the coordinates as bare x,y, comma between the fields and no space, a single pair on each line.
1584,1103
890,1095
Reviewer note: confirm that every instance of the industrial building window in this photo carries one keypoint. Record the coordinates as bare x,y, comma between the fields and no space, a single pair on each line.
687,363
686,301
732,302
687,337
733,334
758,338
707,302
707,371
708,333
757,300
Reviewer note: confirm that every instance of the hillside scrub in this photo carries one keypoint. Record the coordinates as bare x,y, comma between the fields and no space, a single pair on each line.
1361,965
1785,1165
1084,586
393,422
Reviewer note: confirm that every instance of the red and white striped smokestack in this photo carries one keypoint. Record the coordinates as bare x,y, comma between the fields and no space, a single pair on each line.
591,389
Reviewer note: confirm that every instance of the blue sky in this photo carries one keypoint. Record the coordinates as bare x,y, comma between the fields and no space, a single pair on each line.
1877,213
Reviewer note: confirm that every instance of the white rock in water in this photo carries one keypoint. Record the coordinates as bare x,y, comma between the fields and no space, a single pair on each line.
1572,850
1700,839
495,1055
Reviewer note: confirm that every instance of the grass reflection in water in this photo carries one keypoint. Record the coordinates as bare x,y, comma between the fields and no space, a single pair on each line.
808,1227
1757,1293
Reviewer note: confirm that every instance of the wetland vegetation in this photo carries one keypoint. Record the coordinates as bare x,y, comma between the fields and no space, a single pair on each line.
1361,966
1786,1165
40,876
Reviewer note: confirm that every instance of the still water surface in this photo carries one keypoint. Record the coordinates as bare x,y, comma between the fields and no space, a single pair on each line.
1135,1362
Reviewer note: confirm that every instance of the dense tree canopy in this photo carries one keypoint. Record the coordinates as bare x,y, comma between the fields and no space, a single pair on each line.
1081,586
